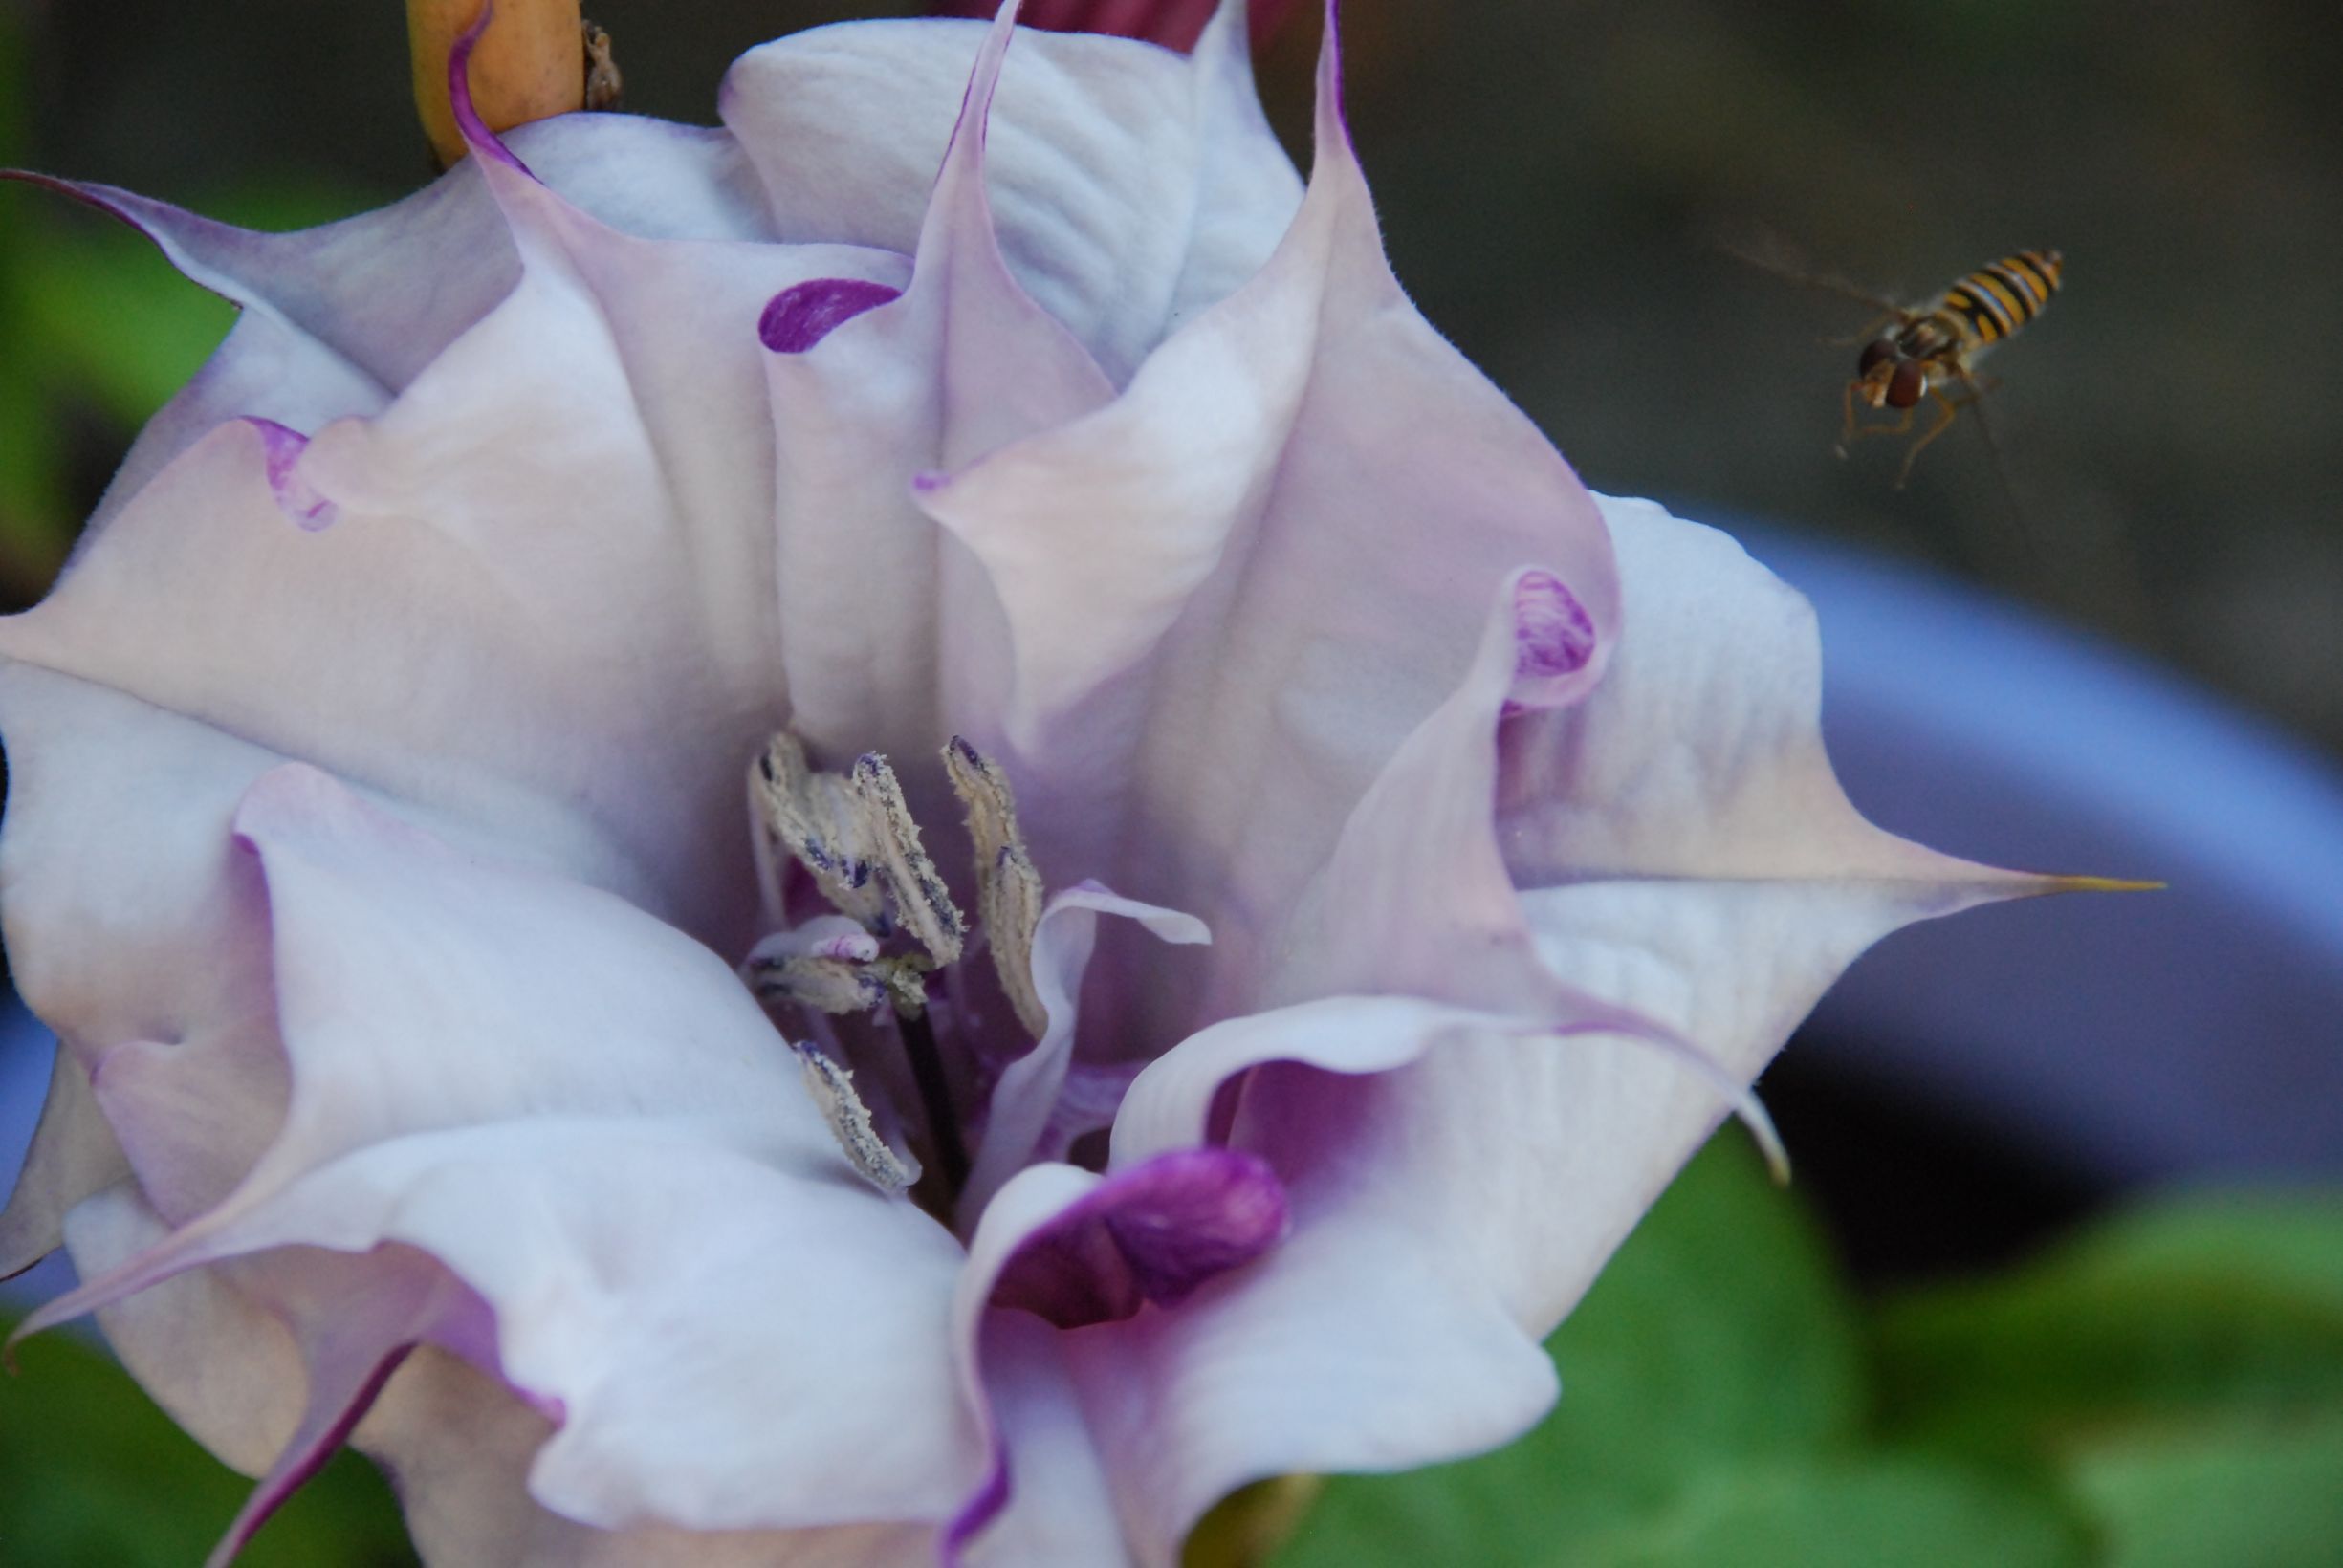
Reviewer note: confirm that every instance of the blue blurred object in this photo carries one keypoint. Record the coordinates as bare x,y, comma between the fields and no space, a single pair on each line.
27,1049
2194,1031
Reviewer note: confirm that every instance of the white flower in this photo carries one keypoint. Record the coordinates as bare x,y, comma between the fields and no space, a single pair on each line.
376,841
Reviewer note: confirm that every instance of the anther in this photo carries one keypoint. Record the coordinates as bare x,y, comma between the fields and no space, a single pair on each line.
916,891
832,1087
818,819
1009,892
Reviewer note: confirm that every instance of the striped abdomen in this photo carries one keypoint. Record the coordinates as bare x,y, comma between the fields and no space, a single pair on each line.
2002,295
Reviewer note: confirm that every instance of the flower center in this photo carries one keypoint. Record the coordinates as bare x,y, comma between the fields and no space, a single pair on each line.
877,960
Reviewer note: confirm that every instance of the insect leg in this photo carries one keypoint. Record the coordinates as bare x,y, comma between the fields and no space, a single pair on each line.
1855,432
1946,408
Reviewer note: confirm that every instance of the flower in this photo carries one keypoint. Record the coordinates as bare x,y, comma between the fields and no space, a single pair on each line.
1176,23
1252,878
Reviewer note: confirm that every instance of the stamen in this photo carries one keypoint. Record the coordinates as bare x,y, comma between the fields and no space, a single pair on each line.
833,1090
826,985
917,892
818,819
934,1096
1009,891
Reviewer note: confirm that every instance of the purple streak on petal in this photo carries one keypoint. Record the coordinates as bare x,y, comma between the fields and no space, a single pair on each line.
336,1404
1150,1235
982,1506
282,447
482,140
1554,638
803,314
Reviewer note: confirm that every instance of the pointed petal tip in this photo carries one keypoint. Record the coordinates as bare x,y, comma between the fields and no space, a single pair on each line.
2101,884
478,139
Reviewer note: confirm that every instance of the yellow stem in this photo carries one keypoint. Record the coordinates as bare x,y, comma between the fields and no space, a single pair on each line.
530,64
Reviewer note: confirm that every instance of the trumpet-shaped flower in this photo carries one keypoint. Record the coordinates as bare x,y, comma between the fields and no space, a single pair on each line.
754,855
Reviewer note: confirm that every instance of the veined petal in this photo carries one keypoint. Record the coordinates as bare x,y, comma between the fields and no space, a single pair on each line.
1313,501
441,641
1129,184
432,1006
893,641
1066,1246
338,318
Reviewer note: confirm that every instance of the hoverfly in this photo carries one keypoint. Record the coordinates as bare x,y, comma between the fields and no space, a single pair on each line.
1917,351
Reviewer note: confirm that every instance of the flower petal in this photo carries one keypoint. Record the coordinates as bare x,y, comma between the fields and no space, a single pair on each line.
73,1155
336,318
1028,1091
458,1448
1314,499
1077,1248
445,641
891,641
529,1081
134,932
1130,184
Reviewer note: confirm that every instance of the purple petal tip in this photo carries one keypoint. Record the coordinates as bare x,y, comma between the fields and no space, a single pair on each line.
799,317
1553,639
1153,1234
281,449
474,130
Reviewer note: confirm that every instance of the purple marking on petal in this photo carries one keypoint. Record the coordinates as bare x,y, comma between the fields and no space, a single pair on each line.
981,1509
1152,1233
281,449
803,314
1553,637
320,1437
474,130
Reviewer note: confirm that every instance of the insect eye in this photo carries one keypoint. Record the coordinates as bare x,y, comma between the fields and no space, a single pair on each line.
1872,353
1905,386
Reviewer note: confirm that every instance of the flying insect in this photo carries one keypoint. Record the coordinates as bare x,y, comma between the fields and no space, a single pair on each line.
1931,350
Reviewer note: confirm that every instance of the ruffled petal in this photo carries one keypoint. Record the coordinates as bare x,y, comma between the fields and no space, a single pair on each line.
135,933
446,640
528,1081
892,641
73,1155
1313,501
1028,1094
457,1446
1129,184
1175,24
336,319
1252,1375
1068,1247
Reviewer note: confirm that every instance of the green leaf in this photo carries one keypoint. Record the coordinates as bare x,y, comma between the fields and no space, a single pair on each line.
1717,1334
1852,1513
92,1472
2204,1309
2211,1500
109,314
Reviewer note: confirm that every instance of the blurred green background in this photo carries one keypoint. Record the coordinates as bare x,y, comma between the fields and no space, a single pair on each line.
2166,1388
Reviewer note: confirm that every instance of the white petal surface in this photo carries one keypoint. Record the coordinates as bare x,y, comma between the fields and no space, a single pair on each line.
1131,183
1311,501
1028,1091
433,1007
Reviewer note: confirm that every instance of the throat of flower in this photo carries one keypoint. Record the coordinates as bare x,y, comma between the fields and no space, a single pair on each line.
863,969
